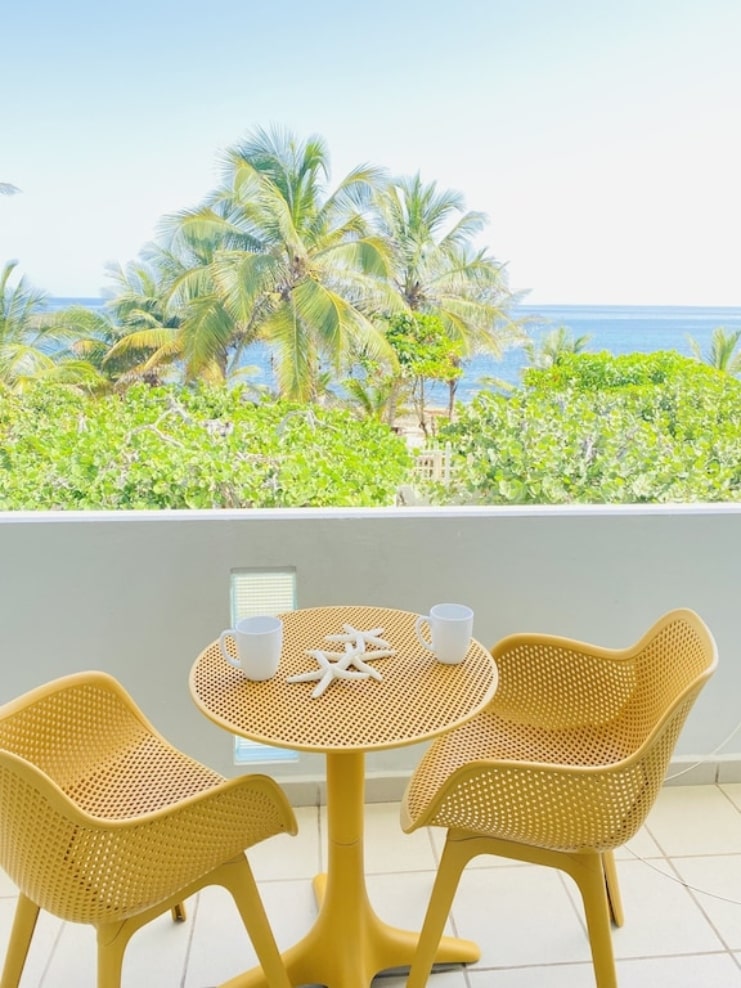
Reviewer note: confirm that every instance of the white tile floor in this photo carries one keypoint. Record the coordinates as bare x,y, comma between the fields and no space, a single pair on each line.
680,880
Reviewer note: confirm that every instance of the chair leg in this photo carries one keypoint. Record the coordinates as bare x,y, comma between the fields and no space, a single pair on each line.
112,941
113,938
613,888
454,858
24,923
236,876
588,872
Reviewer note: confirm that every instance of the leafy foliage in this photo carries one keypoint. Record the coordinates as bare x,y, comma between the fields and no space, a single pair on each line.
423,348
33,346
597,428
200,448
554,346
424,351
722,353
273,254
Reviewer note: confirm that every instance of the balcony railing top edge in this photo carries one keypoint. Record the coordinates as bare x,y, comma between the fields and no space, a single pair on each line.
457,511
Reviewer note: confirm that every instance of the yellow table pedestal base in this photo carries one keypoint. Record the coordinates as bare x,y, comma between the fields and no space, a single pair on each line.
348,944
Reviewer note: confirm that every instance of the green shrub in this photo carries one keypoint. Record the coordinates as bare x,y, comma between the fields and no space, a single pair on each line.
200,448
595,428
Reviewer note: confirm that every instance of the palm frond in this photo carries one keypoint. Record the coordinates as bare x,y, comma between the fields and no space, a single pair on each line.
337,323
369,255
721,353
207,330
21,362
294,351
243,280
153,339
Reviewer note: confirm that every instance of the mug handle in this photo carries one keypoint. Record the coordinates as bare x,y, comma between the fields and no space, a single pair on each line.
232,661
417,626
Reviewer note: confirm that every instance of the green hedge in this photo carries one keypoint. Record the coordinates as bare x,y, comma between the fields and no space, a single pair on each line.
597,428
178,448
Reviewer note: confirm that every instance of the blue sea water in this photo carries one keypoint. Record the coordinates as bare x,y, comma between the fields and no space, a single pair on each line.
614,328
617,329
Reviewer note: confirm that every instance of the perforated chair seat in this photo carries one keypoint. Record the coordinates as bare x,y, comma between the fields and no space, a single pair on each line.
102,821
563,765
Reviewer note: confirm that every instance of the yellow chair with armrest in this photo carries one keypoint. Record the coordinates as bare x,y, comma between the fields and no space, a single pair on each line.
102,821
561,768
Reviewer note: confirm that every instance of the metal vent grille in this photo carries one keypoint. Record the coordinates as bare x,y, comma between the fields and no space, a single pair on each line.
261,591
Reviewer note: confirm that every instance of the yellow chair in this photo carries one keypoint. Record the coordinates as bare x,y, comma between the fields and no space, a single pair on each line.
102,821
562,766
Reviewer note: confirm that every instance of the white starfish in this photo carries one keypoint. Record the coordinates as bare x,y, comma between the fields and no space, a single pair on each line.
339,665
326,672
360,638
358,659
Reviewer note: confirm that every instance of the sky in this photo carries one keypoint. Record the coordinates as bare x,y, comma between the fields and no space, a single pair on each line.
601,139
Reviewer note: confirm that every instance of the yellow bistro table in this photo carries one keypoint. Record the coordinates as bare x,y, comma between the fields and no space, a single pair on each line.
417,699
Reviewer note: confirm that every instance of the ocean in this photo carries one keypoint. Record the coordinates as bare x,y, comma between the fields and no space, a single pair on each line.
614,328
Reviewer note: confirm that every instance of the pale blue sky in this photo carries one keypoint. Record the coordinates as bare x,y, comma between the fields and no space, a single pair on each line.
601,138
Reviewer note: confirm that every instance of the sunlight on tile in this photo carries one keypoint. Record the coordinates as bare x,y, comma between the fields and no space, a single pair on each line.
42,946
700,971
388,848
518,915
401,900
699,821
221,947
156,954
719,879
532,976
284,856
688,971
676,924
642,846
733,791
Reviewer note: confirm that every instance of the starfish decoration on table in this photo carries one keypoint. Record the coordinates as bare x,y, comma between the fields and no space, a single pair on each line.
326,672
357,658
361,638
352,663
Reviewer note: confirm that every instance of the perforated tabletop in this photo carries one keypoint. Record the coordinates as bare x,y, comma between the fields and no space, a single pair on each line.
417,698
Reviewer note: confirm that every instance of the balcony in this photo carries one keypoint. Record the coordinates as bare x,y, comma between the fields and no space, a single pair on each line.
140,594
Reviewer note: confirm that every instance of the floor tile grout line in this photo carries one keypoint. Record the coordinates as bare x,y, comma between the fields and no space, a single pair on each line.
692,891
669,860
52,952
575,900
191,935
320,838
727,797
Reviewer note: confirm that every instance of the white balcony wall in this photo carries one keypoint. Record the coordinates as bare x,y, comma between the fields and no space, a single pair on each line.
140,594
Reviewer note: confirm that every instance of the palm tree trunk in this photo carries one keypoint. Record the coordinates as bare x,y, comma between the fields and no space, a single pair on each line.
452,389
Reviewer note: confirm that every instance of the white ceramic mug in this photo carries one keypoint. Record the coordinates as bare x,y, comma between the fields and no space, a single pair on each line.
451,627
259,641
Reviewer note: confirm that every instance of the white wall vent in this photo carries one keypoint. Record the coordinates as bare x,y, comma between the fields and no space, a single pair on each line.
261,591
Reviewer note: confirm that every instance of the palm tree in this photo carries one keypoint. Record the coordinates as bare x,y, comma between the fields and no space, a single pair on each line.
274,255
32,346
554,346
139,336
721,353
437,270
